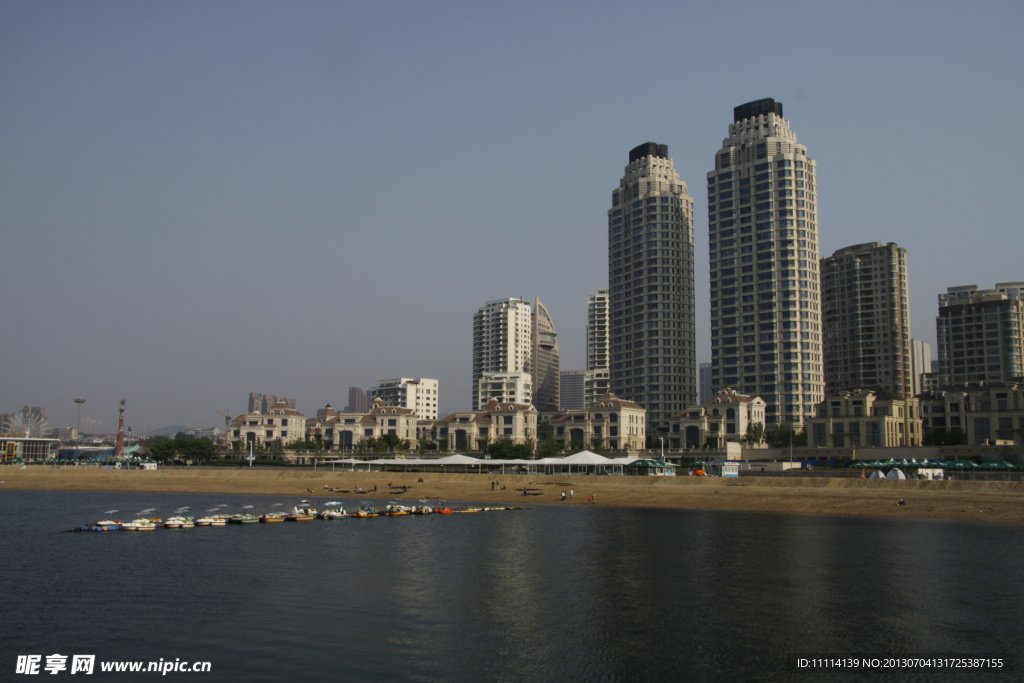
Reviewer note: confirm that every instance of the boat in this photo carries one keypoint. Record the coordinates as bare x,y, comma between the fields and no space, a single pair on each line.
103,525
393,510
272,517
337,512
365,512
205,521
443,511
302,514
180,522
245,518
422,510
140,524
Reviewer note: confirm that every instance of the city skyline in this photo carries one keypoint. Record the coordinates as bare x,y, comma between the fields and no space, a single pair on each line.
195,208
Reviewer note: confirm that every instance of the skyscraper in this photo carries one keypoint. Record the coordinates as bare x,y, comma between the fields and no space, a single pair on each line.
544,360
597,330
650,279
502,341
980,333
866,315
763,241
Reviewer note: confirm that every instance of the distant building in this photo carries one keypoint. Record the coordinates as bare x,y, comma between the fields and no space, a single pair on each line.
358,401
502,342
419,394
921,363
704,382
545,364
980,334
725,417
505,387
571,389
596,384
280,423
597,331
866,319
866,418
262,403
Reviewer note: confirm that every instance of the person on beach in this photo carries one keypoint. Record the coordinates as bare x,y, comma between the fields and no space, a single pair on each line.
563,496
570,494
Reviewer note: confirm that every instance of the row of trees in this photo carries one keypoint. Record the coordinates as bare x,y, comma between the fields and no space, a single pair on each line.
181,449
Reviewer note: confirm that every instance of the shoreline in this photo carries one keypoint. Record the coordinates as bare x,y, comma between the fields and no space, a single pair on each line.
992,501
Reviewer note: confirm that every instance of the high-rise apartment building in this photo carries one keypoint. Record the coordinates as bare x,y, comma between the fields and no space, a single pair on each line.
571,389
866,318
980,333
502,341
418,394
358,401
597,330
704,383
763,240
544,360
920,363
652,339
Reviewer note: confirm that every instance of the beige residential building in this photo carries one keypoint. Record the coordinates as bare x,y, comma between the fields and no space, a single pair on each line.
765,291
866,418
472,430
609,423
866,318
343,431
419,394
724,418
980,334
505,387
989,413
280,423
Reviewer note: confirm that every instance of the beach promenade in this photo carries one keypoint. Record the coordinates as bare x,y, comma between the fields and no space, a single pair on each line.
968,500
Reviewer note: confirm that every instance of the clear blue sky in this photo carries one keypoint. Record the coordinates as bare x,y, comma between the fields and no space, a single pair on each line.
203,199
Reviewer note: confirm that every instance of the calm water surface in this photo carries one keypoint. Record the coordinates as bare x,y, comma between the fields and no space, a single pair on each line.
545,594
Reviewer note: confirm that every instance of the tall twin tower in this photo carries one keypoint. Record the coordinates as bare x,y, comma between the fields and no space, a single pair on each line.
766,337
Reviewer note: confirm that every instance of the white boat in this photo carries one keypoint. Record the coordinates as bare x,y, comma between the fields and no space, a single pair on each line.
140,524
180,522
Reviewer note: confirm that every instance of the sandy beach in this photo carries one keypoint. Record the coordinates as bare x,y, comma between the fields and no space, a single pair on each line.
968,500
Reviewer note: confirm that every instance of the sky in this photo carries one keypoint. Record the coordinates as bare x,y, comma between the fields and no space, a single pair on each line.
199,200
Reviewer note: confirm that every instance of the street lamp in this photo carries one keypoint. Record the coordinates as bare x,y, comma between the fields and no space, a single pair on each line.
78,425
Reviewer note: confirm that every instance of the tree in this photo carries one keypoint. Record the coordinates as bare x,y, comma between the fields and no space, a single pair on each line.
188,449
755,433
548,448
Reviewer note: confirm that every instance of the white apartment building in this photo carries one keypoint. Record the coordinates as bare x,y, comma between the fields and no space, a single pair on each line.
502,342
763,241
419,394
597,331
505,387
651,327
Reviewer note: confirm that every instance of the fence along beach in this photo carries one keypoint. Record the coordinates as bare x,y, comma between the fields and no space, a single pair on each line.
996,501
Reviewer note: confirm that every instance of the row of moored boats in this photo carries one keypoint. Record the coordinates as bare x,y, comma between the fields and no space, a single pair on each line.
304,512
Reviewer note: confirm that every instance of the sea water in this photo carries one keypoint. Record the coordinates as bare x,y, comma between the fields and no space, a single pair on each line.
548,593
